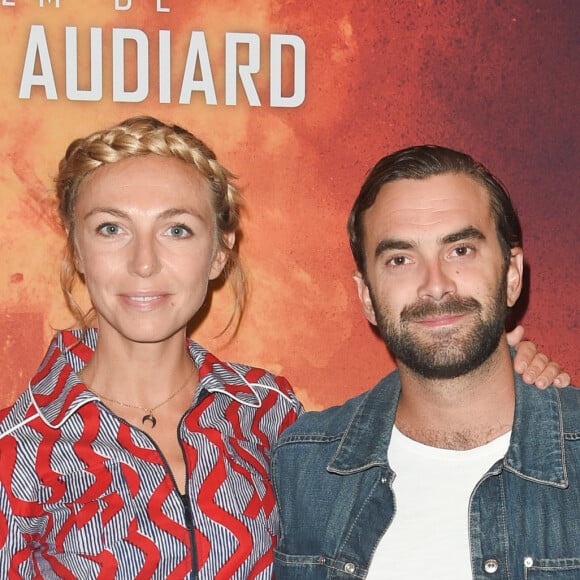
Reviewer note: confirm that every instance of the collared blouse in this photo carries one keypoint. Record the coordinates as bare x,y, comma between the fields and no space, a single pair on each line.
85,494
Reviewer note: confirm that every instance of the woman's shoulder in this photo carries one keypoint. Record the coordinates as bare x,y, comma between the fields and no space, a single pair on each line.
53,392
15,416
250,384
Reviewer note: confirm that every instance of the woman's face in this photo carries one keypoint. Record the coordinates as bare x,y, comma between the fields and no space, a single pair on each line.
146,244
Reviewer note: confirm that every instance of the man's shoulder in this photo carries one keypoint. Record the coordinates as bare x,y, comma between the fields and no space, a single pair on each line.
569,398
571,393
562,404
332,422
329,422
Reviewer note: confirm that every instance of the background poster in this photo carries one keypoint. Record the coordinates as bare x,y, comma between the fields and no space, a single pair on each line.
299,101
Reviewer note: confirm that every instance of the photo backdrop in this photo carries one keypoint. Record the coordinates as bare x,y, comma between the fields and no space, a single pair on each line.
299,100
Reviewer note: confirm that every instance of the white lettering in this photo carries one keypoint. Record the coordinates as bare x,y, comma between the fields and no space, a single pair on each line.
8,3
37,46
130,68
56,4
95,93
119,6
197,52
161,8
277,41
245,70
165,66
120,95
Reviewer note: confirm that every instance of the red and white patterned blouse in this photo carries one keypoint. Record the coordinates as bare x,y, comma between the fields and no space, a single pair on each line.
84,494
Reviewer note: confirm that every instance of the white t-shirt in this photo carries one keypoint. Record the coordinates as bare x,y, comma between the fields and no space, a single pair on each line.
428,537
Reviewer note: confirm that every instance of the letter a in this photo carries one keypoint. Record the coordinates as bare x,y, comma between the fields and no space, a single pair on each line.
37,45
197,53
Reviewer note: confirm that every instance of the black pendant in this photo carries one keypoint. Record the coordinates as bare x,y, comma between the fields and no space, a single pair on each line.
149,418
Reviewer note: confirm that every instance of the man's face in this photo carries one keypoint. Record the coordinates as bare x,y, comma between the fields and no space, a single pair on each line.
437,286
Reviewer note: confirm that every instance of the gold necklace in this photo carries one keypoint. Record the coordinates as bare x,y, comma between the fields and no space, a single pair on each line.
149,416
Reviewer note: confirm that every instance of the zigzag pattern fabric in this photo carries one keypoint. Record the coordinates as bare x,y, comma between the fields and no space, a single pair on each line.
84,494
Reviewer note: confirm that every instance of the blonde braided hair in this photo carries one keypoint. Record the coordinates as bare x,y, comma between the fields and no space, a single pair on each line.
136,137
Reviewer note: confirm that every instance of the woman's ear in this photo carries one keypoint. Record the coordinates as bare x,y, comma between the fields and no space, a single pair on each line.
73,252
221,255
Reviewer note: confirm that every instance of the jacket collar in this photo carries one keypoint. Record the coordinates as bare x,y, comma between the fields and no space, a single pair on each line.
243,384
536,450
57,392
365,442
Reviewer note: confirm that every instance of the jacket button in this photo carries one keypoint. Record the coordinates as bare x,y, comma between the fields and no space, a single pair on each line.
383,479
349,568
528,561
491,566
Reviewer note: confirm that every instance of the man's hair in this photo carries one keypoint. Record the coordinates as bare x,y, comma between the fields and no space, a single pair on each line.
420,162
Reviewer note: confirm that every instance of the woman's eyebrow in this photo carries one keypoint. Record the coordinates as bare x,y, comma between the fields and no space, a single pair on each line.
168,213
109,210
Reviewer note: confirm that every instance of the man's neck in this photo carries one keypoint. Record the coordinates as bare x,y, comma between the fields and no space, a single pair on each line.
460,413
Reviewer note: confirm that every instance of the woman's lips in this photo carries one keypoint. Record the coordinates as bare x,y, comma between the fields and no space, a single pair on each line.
144,301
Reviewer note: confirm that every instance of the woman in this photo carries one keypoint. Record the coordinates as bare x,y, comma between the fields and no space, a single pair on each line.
135,453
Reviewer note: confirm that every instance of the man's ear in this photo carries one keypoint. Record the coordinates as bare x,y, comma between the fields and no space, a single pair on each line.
221,256
515,275
364,296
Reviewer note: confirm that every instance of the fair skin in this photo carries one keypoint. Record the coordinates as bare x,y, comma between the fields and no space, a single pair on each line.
427,241
540,371
146,245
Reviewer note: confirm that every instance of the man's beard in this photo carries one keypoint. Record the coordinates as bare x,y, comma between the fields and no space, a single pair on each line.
451,352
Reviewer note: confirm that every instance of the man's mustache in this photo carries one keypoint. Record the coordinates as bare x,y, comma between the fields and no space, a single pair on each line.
451,306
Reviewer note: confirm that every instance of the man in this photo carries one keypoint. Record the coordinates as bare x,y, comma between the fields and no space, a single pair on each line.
445,469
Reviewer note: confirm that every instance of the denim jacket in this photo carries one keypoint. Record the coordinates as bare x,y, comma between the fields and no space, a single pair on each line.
334,488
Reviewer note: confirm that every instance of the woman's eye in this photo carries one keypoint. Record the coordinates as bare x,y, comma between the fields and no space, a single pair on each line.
179,231
108,229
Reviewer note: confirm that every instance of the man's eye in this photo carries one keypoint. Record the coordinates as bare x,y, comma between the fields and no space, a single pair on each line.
463,250
398,261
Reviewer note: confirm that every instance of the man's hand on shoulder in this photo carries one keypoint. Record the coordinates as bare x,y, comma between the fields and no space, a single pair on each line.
535,367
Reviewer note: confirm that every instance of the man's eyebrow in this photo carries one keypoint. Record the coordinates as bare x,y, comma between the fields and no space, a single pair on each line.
468,233
392,244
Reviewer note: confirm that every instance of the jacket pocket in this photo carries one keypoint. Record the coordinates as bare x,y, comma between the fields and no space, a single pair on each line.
291,566
552,569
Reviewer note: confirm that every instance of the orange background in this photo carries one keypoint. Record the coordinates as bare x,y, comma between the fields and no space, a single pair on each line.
496,79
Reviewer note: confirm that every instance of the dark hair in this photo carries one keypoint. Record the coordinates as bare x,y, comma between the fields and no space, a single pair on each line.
420,162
